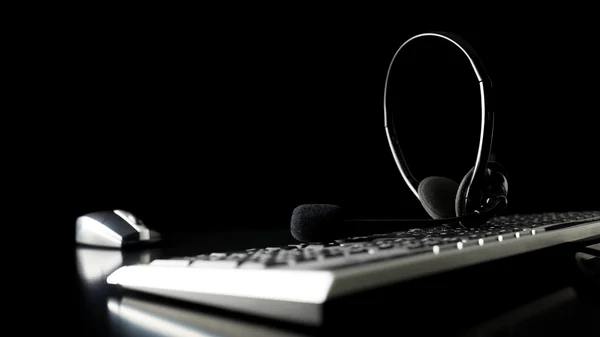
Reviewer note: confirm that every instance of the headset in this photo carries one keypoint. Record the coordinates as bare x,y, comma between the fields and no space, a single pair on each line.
484,189
482,193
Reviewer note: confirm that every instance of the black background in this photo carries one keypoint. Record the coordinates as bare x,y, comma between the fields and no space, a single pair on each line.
231,123
212,121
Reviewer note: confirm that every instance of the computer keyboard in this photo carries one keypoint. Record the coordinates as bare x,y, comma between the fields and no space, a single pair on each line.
291,282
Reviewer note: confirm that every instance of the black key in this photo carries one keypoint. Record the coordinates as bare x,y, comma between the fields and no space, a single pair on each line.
384,245
333,252
381,241
203,257
283,258
406,236
236,256
310,254
450,240
432,242
431,238
401,241
414,245
358,249
256,264
305,258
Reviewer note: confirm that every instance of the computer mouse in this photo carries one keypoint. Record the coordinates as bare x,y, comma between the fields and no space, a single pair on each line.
113,228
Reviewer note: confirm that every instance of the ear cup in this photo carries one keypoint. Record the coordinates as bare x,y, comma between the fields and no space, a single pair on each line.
497,183
460,207
437,196
499,177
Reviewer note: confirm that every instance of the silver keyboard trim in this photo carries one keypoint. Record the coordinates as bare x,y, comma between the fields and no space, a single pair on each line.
245,289
274,284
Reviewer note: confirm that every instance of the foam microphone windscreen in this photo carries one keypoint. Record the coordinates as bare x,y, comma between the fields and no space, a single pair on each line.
316,222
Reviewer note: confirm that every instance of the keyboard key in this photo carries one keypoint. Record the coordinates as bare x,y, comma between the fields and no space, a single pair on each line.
236,256
218,255
261,264
271,249
170,263
414,245
384,245
334,252
358,250
217,264
348,260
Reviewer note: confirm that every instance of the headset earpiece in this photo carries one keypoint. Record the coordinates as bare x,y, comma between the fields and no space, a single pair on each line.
497,182
493,186
498,178
437,196
460,202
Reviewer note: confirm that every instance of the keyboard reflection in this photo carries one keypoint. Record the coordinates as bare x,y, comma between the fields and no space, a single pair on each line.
140,317
133,316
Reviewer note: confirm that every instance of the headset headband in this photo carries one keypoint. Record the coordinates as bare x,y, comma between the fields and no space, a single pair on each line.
487,115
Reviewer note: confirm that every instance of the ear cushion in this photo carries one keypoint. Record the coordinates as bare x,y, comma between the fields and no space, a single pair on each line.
437,195
459,204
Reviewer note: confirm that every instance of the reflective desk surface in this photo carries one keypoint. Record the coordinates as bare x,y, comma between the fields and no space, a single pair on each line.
105,310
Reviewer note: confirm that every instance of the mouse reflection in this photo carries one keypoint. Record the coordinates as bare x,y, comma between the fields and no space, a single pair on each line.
140,317
95,264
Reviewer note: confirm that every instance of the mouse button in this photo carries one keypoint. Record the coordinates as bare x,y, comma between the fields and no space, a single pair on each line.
120,224
145,235
129,217
98,216
91,231
89,222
